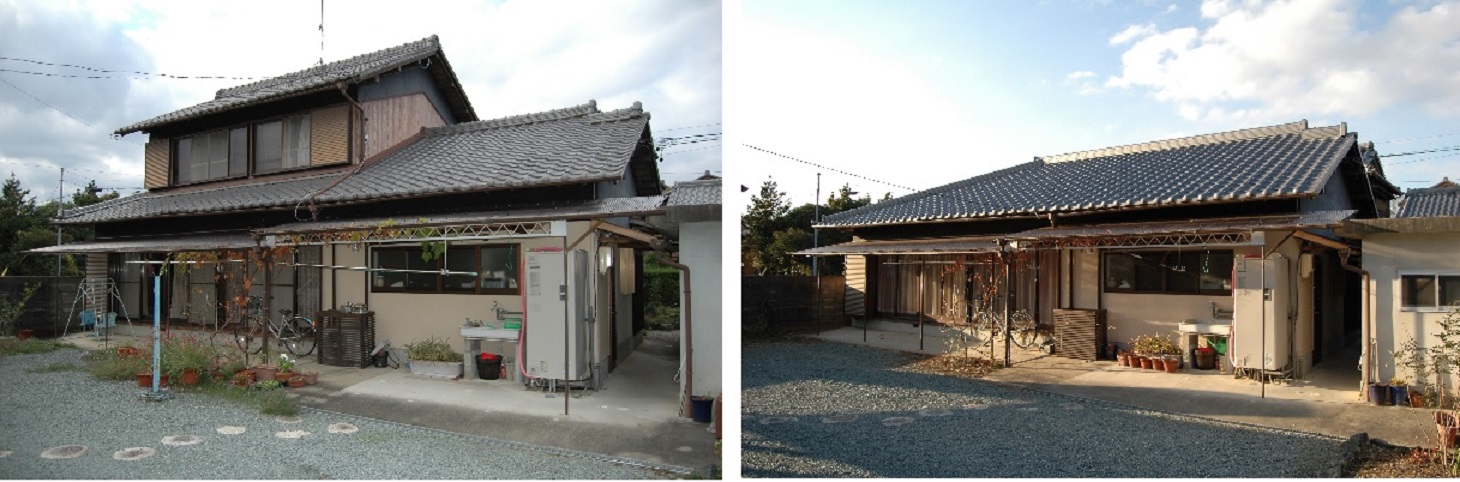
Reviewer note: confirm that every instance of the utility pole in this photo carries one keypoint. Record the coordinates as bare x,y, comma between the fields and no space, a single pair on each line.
56,284
816,232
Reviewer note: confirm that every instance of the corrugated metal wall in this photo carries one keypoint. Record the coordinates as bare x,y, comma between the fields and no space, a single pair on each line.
392,120
329,135
157,167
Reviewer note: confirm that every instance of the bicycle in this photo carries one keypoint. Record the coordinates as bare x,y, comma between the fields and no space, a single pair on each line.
293,332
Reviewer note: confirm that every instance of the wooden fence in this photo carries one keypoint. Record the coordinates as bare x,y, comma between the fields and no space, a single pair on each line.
47,310
776,305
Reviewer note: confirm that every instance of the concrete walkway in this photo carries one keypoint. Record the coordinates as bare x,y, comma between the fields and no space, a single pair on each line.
1326,401
634,416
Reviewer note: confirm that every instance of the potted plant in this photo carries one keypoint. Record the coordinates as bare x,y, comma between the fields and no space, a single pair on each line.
296,381
243,378
264,372
434,357
311,377
1399,391
286,368
185,358
1379,394
267,384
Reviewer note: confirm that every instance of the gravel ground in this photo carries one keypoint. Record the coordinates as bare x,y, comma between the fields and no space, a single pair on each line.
42,411
835,410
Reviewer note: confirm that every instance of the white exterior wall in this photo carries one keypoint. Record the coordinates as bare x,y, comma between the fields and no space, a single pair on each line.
699,249
1385,255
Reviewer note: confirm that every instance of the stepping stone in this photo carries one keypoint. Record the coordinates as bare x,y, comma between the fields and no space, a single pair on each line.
935,412
839,419
64,452
231,430
896,421
291,434
1072,406
5,453
1029,409
776,420
344,428
134,453
284,419
976,406
181,440
684,448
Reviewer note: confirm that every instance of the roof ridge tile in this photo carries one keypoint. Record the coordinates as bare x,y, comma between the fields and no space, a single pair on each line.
1298,127
431,43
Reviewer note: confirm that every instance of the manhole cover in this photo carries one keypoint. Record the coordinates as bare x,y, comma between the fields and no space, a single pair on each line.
288,419
344,428
134,453
776,420
839,419
896,421
291,434
181,440
64,452
231,430
935,412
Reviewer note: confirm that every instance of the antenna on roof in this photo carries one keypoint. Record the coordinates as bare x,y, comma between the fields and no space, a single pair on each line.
321,32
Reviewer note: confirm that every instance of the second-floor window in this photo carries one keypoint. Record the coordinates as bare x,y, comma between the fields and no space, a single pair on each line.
276,146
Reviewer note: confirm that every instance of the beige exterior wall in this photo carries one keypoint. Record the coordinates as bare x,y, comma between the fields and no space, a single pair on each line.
1385,255
390,121
157,170
856,288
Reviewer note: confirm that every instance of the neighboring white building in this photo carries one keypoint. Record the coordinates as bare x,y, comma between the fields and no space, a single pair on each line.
695,207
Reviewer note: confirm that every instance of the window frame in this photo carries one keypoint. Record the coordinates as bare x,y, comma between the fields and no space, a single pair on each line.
1437,285
441,281
1166,281
301,153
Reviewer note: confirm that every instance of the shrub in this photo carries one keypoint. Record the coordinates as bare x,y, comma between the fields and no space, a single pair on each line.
107,365
432,349
32,346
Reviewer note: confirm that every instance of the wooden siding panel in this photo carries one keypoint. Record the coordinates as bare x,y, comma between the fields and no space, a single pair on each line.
329,141
856,297
157,163
392,120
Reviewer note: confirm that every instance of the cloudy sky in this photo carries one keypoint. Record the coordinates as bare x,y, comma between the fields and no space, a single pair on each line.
512,58
920,94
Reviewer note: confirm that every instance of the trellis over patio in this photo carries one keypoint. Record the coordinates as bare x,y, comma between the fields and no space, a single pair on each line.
946,280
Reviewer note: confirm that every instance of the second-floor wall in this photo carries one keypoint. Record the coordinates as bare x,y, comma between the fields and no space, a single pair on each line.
391,109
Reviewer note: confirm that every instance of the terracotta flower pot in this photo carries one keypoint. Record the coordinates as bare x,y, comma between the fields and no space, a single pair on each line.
311,377
1147,363
144,380
1172,364
264,372
296,381
24,333
1124,359
1447,428
1416,399
283,376
189,377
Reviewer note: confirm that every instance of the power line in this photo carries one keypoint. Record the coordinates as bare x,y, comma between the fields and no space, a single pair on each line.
106,71
8,161
69,116
695,149
688,127
839,171
1407,139
1442,149
1423,159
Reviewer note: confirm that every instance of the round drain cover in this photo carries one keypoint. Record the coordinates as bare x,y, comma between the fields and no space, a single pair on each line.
64,452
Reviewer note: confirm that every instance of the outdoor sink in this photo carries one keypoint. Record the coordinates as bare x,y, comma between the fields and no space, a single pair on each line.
1204,326
486,332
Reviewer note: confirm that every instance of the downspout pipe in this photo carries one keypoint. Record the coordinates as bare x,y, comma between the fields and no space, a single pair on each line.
1368,351
689,352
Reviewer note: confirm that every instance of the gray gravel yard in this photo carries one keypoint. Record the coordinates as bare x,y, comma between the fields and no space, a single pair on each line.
834,410
40,411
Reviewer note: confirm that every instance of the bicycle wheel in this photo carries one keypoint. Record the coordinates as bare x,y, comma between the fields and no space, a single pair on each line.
298,336
248,340
1026,333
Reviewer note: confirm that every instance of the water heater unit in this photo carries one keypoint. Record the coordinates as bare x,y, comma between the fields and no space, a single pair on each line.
1261,329
557,315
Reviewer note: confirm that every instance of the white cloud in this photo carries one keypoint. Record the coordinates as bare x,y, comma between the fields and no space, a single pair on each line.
1132,32
1083,74
1280,61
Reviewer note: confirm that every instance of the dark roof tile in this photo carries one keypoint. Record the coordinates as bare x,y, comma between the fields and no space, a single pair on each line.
1289,160
1429,202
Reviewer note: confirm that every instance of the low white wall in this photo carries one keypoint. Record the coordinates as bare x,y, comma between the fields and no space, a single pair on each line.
700,251
1385,255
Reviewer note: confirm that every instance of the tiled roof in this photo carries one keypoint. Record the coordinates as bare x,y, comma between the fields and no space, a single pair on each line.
696,193
1309,220
1284,161
307,81
597,208
197,242
1428,203
912,246
566,146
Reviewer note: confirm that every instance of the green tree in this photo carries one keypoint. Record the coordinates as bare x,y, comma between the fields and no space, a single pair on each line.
17,215
758,225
